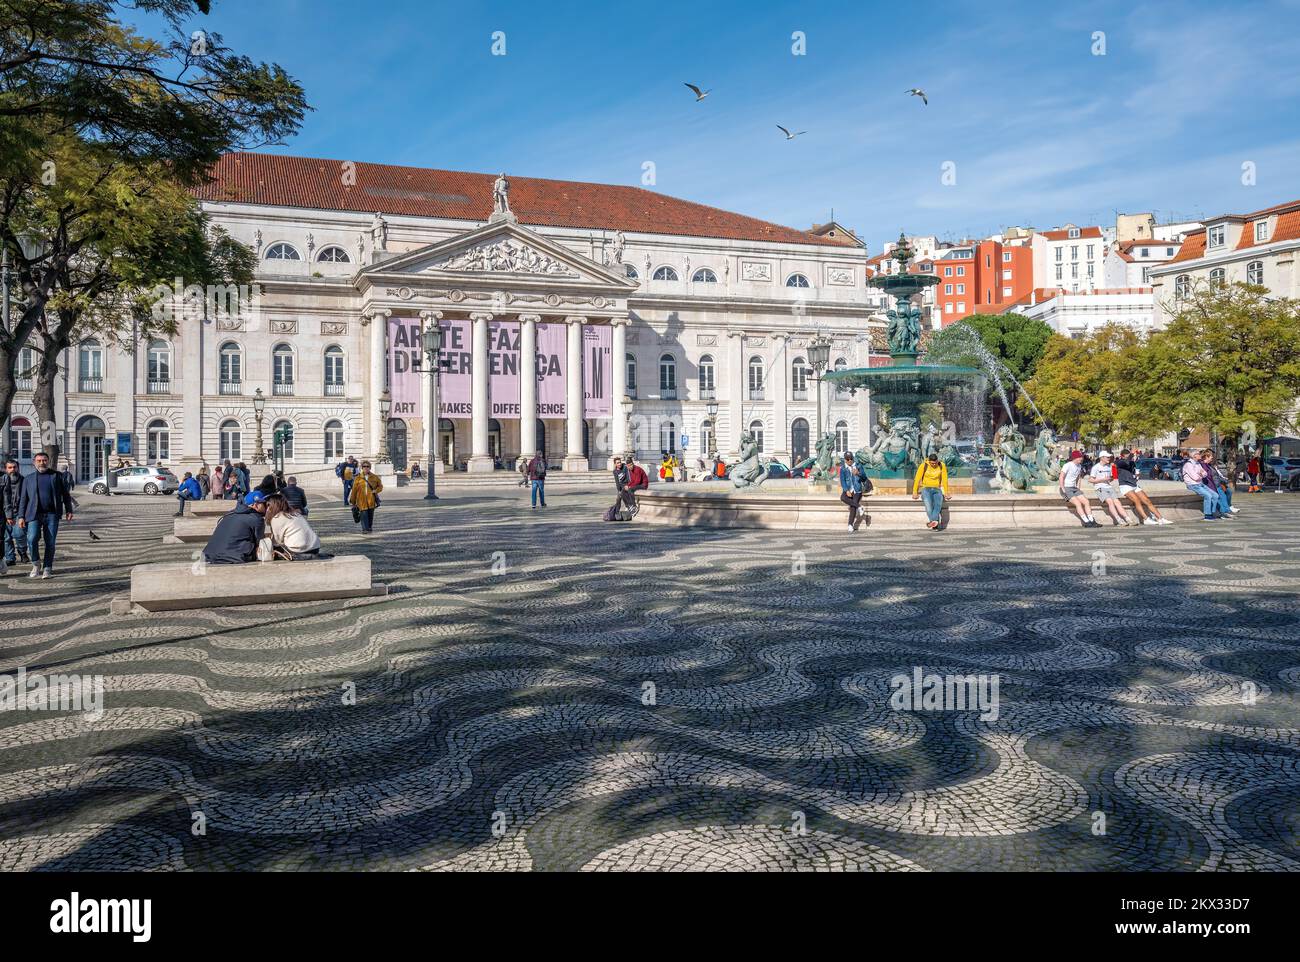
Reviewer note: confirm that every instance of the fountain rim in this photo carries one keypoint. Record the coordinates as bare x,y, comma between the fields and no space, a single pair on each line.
903,369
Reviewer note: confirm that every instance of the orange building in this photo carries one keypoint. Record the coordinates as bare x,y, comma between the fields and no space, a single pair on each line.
981,277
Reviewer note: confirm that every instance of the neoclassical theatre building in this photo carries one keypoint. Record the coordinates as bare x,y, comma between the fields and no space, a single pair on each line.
578,320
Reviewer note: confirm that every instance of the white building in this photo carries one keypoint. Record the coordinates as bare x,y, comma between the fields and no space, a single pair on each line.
687,303
1129,263
1069,257
1076,313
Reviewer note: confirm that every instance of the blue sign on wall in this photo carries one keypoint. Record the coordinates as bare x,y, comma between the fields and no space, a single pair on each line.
124,443
686,441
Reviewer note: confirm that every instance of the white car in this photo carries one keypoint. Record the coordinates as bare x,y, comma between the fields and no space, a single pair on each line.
138,480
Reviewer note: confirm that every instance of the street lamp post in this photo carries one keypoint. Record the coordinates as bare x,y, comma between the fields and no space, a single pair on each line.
712,408
259,408
385,405
819,356
431,342
626,405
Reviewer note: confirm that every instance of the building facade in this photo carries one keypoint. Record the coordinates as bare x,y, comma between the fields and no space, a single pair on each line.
1077,313
579,320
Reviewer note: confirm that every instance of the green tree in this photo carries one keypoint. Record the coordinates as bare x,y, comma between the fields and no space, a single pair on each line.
1230,354
1017,341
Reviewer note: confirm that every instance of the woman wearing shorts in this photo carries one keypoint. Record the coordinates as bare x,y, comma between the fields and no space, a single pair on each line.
1068,481
1126,475
1107,494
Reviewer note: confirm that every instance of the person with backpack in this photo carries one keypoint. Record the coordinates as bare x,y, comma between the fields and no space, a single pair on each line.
537,479
346,471
205,483
854,483
363,495
931,483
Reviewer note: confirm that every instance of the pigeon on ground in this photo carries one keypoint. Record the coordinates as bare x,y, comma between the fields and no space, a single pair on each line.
918,92
788,135
699,94
93,536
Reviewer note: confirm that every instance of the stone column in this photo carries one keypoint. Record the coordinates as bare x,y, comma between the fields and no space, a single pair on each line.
779,391
480,460
736,391
190,388
574,459
377,321
618,387
528,384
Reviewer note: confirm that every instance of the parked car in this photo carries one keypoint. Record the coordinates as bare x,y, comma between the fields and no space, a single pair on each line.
153,479
984,468
1160,469
1288,469
775,469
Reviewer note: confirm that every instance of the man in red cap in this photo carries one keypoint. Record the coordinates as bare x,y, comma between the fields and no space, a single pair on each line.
1068,482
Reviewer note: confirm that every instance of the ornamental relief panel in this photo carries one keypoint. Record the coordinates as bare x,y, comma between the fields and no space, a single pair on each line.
284,326
230,324
756,271
506,256
333,328
839,276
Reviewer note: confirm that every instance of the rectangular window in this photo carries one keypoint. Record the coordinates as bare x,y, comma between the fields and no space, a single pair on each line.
961,288
947,308
1090,270
1060,253
961,272
1058,272
1091,247
1074,252
1261,231
1074,270
1215,236
947,272
988,260
1146,252
1006,257
961,307
1006,275
1006,292
1146,275
947,288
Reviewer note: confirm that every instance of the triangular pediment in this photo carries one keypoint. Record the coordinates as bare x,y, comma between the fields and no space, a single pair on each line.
502,251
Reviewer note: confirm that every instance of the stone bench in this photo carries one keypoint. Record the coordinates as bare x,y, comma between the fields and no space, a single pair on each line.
192,530
208,508
184,585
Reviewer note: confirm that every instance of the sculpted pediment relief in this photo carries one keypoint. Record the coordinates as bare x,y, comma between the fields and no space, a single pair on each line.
506,255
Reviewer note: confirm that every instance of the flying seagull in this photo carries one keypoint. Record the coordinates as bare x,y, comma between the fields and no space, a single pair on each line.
699,94
918,92
788,135
93,536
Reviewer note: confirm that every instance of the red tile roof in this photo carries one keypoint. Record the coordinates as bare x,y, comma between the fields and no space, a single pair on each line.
280,181
1064,234
1287,227
1193,247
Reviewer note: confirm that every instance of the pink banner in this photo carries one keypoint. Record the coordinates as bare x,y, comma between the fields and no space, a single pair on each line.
454,385
551,358
405,360
503,364
597,345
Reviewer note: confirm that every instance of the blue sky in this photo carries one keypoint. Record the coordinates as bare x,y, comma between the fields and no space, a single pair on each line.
1041,130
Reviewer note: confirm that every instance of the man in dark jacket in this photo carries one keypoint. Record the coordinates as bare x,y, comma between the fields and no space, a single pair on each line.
237,533
42,500
295,495
537,477
15,545
347,471
620,483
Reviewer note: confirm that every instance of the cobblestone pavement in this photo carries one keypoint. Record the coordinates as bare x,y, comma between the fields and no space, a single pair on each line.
501,717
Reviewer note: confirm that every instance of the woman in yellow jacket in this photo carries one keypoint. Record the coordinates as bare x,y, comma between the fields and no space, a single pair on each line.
364,497
931,483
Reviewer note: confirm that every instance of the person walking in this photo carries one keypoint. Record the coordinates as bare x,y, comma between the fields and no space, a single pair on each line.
1068,481
1252,472
346,471
1127,479
42,499
931,483
851,490
1198,482
295,496
238,532
188,491
1101,477
363,494
537,480
15,544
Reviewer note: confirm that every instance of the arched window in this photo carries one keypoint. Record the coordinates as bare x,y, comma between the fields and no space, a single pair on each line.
158,436
1255,272
282,369
90,365
630,272
231,368
1182,286
1218,277
841,392
232,440
26,369
797,280
665,274
20,439
668,437
705,276
667,377
799,440
282,252
288,445
756,432
333,441
756,379
334,371
160,367
707,390
841,436
799,379
631,376
333,255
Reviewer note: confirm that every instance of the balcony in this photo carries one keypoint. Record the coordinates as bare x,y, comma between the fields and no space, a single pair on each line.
667,393
708,394
799,395
756,394
23,383
282,389
160,387
333,389
91,385
231,387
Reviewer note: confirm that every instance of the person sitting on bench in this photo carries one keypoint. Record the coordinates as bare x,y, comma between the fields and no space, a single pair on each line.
238,532
292,538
